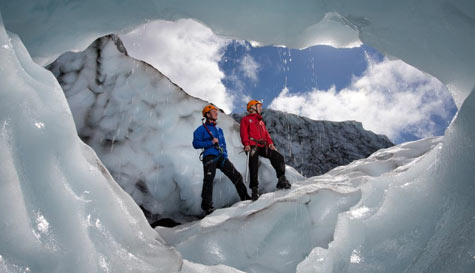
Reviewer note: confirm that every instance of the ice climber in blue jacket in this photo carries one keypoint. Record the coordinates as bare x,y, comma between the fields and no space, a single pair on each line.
210,138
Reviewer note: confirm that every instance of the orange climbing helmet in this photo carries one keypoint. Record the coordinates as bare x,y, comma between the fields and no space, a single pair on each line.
252,103
208,108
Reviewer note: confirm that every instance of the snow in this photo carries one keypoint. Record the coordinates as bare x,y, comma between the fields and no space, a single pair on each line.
420,218
412,213
393,220
374,215
190,267
141,126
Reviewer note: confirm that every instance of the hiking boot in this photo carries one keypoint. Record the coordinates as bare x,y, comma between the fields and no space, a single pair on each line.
255,194
247,197
207,207
283,183
208,210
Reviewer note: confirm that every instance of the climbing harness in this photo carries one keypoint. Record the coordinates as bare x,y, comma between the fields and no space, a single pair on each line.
216,145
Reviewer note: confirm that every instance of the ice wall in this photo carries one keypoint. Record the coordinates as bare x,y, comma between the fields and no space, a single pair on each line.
436,36
419,218
141,126
60,209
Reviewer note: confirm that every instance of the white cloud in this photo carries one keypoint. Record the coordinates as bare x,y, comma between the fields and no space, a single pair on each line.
249,67
186,52
391,98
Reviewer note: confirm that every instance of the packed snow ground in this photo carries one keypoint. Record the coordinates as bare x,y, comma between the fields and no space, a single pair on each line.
277,232
423,221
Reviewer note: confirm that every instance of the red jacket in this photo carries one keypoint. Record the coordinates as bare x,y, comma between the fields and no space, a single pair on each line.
252,126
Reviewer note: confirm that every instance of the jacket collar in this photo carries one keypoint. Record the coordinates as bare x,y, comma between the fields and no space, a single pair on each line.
255,115
211,123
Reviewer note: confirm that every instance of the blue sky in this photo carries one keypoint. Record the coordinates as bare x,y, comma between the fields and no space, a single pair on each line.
299,70
323,83
325,68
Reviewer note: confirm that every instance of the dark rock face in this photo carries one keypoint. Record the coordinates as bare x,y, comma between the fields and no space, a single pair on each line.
314,147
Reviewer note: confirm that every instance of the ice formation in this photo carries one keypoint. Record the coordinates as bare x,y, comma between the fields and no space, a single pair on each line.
417,217
60,209
141,126
315,147
278,231
433,36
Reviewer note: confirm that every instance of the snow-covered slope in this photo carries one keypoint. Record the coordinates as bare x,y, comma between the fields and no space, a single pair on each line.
315,147
277,232
141,126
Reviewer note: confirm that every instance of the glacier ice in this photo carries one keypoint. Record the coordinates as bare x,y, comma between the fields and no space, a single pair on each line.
374,215
435,36
417,220
61,210
141,126
190,267
435,191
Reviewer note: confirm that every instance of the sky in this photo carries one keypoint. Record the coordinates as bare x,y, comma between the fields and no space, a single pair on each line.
261,71
322,83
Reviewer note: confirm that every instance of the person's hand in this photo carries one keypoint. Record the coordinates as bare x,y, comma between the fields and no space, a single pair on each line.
247,148
272,147
215,140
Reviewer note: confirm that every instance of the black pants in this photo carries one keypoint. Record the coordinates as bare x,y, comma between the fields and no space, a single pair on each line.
209,166
276,160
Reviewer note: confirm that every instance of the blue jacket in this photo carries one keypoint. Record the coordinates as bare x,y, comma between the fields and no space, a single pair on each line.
202,140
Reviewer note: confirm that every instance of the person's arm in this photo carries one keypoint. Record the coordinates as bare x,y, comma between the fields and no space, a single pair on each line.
245,132
199,141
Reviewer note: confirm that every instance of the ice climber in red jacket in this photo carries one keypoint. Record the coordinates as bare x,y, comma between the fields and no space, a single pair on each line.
257,141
